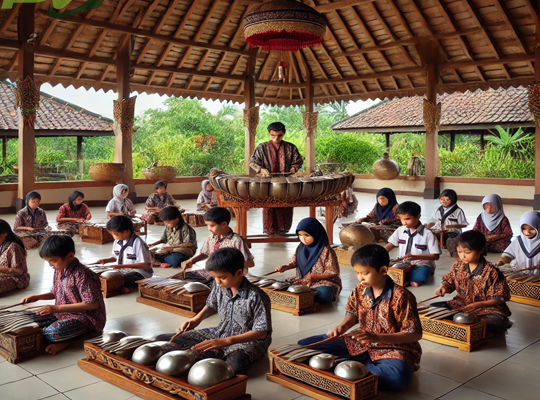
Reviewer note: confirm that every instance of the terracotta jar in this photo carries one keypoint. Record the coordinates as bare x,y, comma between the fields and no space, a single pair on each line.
385,168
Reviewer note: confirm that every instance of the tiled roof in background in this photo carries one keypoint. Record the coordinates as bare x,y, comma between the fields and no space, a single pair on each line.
480,107
53,114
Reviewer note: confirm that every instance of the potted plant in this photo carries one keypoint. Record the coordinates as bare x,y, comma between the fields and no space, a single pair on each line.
159,173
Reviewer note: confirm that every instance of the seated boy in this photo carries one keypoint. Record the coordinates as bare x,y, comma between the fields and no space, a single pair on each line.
130,252
179,237
221,235
156,202
387,341
78,303
244,332
418,246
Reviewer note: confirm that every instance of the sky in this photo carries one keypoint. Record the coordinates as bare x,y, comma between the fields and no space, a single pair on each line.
102,103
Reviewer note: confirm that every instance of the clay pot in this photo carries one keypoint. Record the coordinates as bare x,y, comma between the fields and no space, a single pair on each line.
107,172
356,236
385,168
165,174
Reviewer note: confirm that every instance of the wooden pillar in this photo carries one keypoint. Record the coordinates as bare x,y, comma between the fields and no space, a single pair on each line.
452,141
387,139
80,141
482,141
429,55
4,149
28,100
536,200
124,113
251,113
310,123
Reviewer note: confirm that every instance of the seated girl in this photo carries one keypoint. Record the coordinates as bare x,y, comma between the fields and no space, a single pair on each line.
13,270
78,303
156,202
179,239
31,222
73,213
479,285
315,262
120,204
207,197
524,252
493,224
382,220
448,219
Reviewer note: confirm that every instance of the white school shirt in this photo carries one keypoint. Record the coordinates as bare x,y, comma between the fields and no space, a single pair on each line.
135,252
424,242
519,259
456,218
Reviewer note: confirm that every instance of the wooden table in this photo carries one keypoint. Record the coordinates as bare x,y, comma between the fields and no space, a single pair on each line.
241,206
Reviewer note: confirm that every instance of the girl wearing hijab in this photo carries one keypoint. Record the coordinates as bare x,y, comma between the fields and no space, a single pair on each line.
524,252
73,213
315,262
13,270
493,224
31,222
448,218
382,220
207,197
120,204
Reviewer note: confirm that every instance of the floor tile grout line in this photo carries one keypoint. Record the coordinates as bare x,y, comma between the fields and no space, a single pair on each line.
490,368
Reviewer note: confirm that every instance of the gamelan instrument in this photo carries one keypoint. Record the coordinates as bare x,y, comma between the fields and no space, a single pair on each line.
524,287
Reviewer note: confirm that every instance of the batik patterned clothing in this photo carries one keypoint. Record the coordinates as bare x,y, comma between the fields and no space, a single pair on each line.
60,331
503,228
204,201
175,237
276,220
248,311
78,284
24,218
372,218
392,312
326,264
66,212
157,200
485,283
13,256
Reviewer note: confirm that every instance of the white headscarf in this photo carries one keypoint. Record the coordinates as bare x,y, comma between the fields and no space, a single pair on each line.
492,221
531,218
120,199
117,191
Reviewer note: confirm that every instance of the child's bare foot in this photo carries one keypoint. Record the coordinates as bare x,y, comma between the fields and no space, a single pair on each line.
54,348
165,265
125,290
414,284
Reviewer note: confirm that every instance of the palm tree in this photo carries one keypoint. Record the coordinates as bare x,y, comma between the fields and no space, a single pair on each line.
228,111
336,111
509,143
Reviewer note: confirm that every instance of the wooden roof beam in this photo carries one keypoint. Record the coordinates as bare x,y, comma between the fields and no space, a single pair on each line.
157,30
339,4
148,34
319,66
9,19
377,75
525,58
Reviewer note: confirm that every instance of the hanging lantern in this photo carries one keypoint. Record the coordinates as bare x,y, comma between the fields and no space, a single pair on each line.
284,25
282,72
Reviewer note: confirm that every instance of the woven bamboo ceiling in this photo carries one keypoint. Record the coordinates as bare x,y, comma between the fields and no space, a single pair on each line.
196,48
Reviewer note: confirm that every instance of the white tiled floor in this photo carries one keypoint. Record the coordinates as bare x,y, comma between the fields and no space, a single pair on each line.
506,368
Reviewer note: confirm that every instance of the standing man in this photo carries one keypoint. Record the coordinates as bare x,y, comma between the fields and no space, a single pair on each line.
273,157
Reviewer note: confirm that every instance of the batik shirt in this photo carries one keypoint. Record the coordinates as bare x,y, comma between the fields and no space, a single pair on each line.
24,218
66,212
160,200
175,237
393,311
327,264
282,160
135,251
504,228
248,311
232,239
485,283
420,242
78,284
13,256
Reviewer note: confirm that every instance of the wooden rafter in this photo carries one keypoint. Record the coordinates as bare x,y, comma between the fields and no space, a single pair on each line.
12,14
340,4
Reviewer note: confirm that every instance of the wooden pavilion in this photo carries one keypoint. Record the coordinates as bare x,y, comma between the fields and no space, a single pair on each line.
469,113
372,49
54,118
